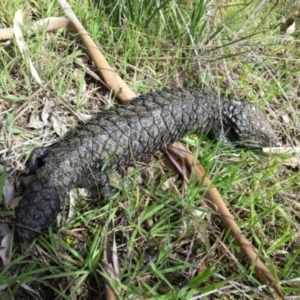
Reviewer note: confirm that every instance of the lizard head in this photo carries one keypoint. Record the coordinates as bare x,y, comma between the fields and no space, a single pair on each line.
245,123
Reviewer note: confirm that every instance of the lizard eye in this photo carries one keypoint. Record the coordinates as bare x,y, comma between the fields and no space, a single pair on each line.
262,136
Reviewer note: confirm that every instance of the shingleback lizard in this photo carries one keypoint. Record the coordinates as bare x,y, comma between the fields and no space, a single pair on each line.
130,132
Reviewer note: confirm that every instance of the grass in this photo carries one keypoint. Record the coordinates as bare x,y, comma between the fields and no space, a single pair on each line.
166,248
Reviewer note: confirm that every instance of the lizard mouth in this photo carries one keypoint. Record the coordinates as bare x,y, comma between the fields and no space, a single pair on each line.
255,143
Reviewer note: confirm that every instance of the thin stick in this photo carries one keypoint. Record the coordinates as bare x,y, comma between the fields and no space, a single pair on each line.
112,79
48,24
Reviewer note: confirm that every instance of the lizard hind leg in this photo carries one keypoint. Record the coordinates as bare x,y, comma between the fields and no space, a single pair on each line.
99,185
36,159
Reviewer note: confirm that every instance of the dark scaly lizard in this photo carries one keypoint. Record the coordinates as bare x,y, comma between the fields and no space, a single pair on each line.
136,130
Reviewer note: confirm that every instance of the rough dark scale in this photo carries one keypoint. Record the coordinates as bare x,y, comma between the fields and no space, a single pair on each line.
134,131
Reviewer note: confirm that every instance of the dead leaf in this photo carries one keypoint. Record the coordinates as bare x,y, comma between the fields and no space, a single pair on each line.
289,25
291,29
288,22
80,78
58,127
14,202
34,122
8,189
84,117
169,183
8,192
147,174
45,113
72,212
285,118
292,162
5,243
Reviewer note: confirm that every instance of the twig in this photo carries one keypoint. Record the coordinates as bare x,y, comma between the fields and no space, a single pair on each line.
48,24
112,79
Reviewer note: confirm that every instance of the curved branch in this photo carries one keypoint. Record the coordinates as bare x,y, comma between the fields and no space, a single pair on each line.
112,79
48,24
